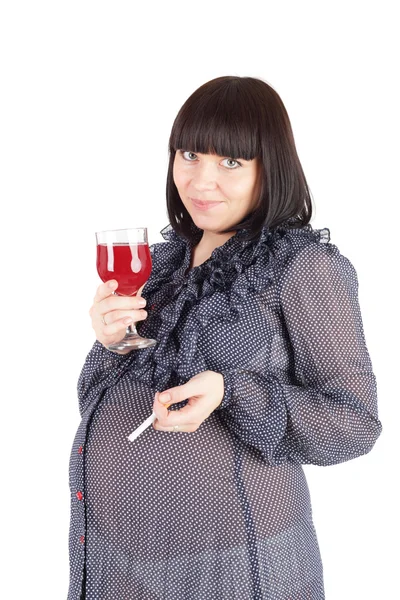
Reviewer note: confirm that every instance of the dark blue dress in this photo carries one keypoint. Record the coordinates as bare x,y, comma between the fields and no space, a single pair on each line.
222,513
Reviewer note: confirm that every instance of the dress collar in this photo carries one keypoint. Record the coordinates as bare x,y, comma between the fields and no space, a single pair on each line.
235,246
232,245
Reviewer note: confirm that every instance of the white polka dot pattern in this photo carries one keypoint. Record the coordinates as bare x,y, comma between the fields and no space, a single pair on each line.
223,512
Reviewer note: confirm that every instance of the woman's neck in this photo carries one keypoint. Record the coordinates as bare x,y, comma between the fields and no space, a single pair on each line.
210,240
207,244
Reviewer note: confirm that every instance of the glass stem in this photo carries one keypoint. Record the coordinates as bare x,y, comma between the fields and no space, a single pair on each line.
131,329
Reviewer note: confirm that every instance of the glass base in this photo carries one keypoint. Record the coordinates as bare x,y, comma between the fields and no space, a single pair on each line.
131,341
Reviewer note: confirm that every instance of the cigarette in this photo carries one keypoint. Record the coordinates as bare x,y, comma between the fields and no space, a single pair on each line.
142,427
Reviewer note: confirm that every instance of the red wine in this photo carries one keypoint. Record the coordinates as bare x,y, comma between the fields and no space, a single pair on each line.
129,264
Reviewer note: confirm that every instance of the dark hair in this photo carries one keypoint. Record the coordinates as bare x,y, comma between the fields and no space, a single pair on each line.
242,117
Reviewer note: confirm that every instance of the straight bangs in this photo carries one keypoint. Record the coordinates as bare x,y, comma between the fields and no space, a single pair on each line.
224,123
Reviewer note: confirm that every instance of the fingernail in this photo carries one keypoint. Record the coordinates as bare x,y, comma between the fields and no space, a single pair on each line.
112,285
142,302
164,398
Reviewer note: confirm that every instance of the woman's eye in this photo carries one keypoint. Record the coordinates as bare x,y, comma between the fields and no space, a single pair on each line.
183,152
231,160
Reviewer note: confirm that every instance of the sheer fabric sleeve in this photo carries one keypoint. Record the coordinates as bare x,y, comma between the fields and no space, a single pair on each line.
100,366
330,415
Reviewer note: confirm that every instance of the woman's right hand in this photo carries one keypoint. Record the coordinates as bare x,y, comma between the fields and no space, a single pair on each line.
117,311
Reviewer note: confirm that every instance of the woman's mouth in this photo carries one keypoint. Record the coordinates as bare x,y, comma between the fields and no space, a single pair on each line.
204,205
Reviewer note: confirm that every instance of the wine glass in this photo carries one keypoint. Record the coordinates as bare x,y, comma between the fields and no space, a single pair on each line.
124,255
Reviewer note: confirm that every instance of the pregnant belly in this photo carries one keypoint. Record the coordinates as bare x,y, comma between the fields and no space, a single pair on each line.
201,490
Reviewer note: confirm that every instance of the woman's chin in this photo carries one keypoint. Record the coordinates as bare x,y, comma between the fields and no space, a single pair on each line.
206,222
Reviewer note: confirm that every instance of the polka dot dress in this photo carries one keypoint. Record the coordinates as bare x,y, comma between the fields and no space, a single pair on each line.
222,513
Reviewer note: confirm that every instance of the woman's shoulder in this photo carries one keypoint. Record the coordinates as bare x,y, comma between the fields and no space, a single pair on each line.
308,254
288,244
282,250
276,246
298,237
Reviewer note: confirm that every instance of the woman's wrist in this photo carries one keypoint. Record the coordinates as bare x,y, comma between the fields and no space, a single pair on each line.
102,347
122,352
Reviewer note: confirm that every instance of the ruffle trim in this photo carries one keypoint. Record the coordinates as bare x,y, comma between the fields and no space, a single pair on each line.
215,289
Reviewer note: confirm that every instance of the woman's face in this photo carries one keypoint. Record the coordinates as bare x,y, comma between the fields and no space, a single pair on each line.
233,184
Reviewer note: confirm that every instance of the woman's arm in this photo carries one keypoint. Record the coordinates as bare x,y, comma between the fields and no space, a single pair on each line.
331,415
99,366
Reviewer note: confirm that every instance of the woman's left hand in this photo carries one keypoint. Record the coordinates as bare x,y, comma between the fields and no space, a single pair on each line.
204,392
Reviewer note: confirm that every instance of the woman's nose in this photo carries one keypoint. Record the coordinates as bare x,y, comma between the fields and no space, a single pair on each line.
205,177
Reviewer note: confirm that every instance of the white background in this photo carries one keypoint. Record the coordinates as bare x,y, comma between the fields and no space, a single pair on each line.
89,92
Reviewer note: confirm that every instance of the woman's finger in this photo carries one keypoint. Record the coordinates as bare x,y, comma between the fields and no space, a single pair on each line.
139,292
111,314
121,315
120,303
187,417
105,289
193,388
117,326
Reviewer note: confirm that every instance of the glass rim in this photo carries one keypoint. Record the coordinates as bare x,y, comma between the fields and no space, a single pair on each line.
123,229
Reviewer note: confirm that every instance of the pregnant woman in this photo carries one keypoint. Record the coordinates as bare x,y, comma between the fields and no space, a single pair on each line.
260,366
